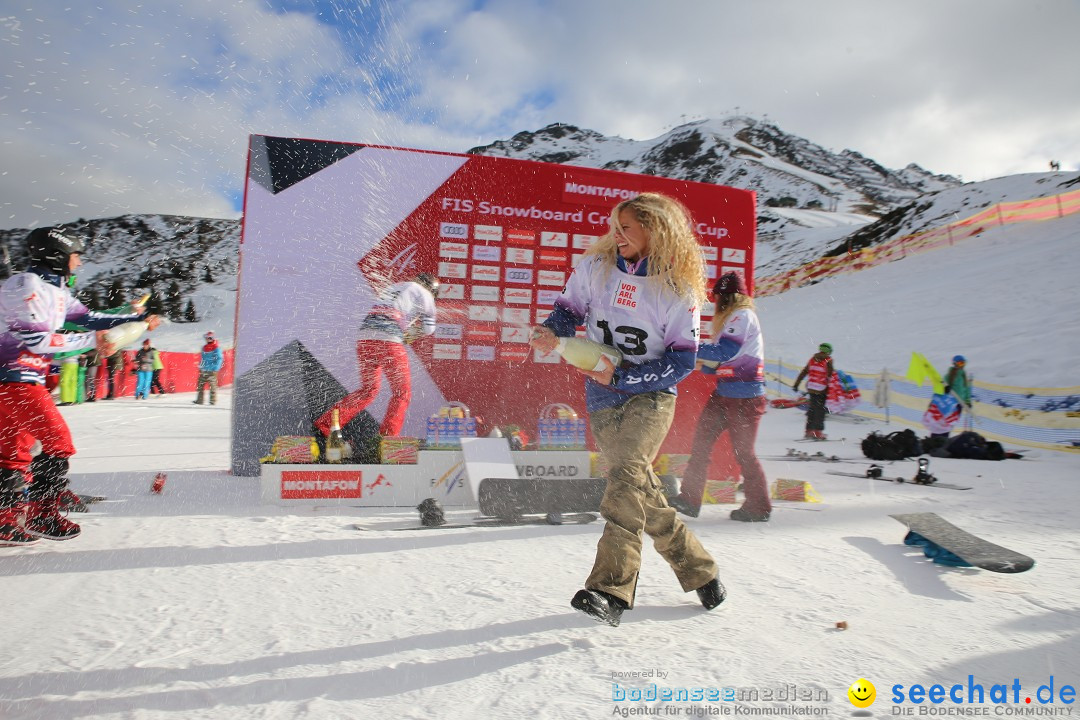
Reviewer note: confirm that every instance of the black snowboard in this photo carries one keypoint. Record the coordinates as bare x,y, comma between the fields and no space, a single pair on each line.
969,548
898,479
567,519
510,498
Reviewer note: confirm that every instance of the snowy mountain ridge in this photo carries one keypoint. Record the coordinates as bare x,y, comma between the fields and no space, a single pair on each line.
195,260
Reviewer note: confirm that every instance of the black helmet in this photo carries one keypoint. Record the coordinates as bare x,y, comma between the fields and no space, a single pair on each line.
429,281
50,248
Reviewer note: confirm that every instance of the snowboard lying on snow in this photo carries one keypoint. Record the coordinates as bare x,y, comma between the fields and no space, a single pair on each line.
946,544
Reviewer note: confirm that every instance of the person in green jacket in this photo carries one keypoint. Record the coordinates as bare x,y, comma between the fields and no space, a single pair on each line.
155,379
957,381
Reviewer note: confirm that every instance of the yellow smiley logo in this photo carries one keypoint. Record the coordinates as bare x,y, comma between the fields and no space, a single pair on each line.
862,693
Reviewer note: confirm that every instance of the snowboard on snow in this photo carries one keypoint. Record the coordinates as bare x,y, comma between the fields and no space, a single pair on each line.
510,498
874,472
486,522
946,544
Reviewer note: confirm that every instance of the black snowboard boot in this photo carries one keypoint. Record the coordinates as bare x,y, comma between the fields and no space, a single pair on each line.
687,508
747,516
599,605
711,594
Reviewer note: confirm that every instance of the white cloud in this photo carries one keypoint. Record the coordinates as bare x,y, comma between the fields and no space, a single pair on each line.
134,107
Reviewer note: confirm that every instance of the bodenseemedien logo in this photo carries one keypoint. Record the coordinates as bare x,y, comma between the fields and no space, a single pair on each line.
862,693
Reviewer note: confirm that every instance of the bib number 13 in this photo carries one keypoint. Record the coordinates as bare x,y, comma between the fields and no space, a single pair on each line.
633,339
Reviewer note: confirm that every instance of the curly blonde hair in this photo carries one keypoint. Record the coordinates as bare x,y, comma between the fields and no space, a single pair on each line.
724,308
674,254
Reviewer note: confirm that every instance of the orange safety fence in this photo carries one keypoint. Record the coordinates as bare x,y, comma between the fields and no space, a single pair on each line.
1047,208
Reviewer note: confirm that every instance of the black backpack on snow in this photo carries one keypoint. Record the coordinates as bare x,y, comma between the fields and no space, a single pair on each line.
894,446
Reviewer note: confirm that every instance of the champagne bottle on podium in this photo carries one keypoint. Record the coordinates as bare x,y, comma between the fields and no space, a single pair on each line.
587,354
335,443
123,335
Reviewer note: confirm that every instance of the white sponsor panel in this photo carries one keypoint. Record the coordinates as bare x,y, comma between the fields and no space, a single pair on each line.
483,313
480,352
515,334
575,259
554,239
485,293
485,273
547,297
733,255
451,291
516,316
709,253
710,271
453,230
454,251
486,253
445,331
446,351
519,256
584,242
541,316
551,277
520,276
517,296
455,271
488,233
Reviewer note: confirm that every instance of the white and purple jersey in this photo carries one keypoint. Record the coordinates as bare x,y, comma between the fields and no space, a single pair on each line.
740,350
656,329
33,306
402,307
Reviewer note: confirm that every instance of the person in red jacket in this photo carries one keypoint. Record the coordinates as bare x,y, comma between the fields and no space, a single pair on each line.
817,372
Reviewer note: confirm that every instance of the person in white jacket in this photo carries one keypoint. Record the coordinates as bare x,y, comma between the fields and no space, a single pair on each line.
405,313
34,305
639,288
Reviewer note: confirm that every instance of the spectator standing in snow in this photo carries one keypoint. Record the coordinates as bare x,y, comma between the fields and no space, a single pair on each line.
818,371
639,287
144,369
210,361
405,313
92,361
736,356
155,379
114,366
957,381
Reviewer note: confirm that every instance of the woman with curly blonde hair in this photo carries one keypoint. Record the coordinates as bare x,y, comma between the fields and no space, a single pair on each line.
639,289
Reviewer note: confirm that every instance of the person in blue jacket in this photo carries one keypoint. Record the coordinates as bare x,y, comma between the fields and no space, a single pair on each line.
210,361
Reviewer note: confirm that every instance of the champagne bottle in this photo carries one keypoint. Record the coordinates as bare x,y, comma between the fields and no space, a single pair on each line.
335,444
587,354
123,335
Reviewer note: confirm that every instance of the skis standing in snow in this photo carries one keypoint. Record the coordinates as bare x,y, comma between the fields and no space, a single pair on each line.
639,288
34,305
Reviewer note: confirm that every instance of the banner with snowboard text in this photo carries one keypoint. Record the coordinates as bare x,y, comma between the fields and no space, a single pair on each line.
328,225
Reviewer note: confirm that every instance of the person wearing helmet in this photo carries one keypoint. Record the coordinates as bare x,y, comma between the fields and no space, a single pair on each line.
34,305
405,313
211,359
818,371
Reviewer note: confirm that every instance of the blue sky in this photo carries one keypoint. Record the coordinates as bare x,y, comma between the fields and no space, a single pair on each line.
136,107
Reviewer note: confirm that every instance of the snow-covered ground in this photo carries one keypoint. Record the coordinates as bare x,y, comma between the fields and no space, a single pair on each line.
204,603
